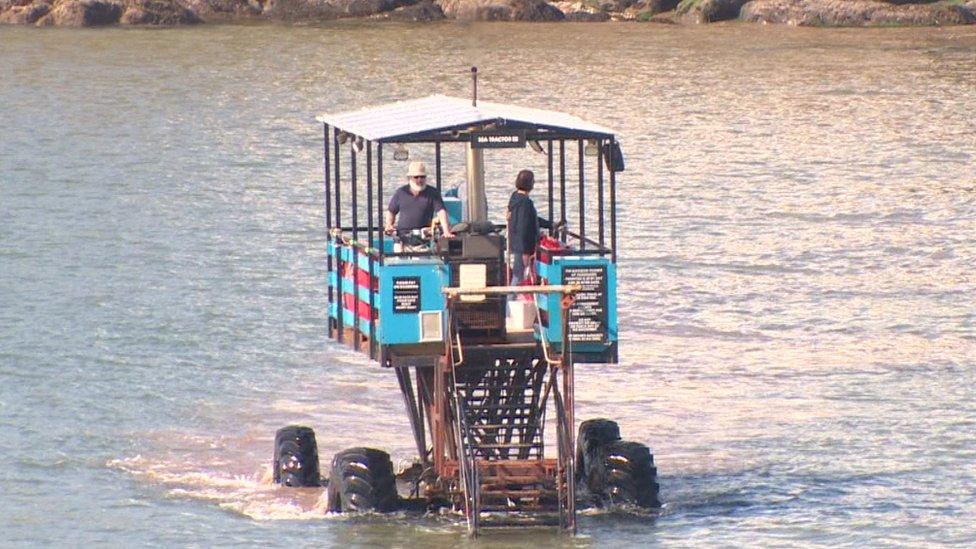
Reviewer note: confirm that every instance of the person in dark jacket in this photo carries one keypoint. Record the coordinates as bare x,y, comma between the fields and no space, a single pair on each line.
523,228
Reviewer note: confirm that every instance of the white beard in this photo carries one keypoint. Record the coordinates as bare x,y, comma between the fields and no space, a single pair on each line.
416,188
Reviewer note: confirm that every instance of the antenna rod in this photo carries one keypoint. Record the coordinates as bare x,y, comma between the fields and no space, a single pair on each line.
474,82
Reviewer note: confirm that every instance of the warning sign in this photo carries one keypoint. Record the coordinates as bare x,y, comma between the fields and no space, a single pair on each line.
406,294
588,315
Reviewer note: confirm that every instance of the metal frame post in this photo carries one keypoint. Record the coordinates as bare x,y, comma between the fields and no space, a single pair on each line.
326,176
355,249
613,212
328,203
581,197
562,184
369,255
340,301
552,218
413,410
437,164
599,192
379,200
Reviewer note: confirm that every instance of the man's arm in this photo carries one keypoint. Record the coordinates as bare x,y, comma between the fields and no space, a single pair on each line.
441,212
389,222
445,224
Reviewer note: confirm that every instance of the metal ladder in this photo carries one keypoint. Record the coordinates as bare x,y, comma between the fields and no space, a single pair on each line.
500,406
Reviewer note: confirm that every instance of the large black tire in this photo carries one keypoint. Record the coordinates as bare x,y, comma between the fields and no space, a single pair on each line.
594,435
296,457
630,475
362,479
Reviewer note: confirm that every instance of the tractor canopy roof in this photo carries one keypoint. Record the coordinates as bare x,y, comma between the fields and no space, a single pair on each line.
443,118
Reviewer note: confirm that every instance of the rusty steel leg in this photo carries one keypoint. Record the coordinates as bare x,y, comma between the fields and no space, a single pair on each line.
567,421
409,399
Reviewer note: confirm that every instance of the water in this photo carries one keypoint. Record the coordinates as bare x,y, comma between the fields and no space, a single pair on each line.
797,259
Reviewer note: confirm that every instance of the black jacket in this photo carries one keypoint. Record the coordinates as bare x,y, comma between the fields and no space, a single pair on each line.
523,224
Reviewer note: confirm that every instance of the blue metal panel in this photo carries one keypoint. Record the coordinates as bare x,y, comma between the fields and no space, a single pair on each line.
453,207
556,272
387,244
399,320
543,270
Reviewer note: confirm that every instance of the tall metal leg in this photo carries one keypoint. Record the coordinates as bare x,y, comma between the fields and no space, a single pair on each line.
406,388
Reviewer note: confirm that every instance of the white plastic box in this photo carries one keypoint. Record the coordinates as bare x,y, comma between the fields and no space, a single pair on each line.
519,315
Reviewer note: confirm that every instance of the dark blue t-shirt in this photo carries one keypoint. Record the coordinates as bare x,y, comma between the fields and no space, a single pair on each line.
415,212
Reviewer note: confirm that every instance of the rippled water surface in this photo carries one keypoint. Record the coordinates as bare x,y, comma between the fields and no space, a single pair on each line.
797,270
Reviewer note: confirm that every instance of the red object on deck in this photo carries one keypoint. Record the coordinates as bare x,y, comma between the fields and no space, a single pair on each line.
548,247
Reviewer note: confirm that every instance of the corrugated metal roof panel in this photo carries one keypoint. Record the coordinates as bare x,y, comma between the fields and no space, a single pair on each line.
387,122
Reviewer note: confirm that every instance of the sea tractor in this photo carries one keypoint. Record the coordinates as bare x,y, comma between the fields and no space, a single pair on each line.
478,362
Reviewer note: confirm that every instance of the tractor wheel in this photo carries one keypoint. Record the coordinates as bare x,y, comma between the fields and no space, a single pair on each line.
296,457
362,479
631,476
594,435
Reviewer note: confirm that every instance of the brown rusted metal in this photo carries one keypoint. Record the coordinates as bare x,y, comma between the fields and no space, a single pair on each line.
486,414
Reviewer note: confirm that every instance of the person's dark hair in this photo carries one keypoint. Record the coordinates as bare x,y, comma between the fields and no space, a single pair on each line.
525,180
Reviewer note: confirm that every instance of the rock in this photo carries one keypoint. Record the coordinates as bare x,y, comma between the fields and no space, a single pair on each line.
7,4
425,10
329,9
709,11
656,11
157,12
534,10
82,13
587,16
24,15
91,13
854,13
225,9
501,10
653,7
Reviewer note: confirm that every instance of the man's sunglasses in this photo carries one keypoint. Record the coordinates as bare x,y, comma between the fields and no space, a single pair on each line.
419,176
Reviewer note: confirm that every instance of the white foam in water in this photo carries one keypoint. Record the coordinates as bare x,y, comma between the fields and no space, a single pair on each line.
193,474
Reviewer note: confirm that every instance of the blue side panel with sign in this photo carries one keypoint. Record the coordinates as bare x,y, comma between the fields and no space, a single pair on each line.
593,317
411,301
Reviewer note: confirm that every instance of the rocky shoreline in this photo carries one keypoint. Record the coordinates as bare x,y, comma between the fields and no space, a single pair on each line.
825,13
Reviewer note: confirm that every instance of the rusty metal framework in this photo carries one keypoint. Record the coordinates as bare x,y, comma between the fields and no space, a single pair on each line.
487,417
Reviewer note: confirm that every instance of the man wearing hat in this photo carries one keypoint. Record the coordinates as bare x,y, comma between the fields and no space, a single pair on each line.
415,204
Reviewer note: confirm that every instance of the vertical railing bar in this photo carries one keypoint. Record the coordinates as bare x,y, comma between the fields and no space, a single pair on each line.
327,176
340,300
599,192
355,251
581,197
328,211
353,161
437,163
613,211
549,213
379,200
562,184
369,240
380,233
